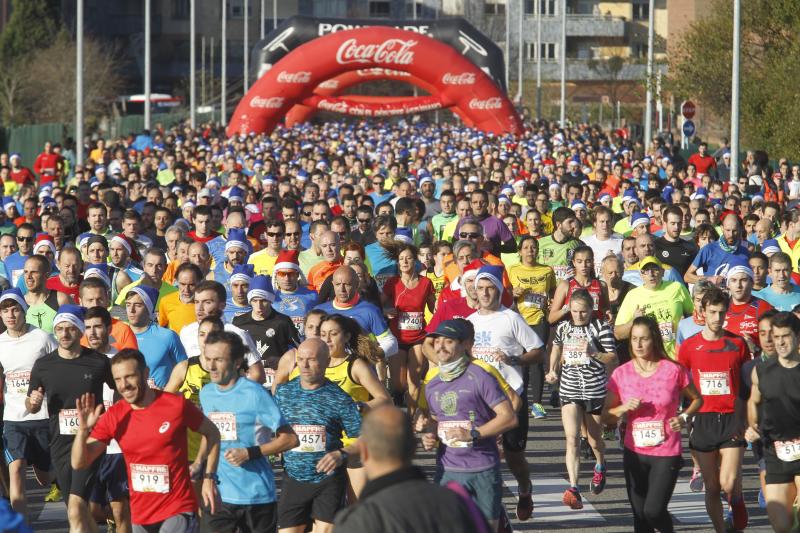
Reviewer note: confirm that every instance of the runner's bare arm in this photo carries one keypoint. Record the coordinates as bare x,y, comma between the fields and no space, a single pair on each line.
365,377
557,311
285,367
177,376
752,404
211,434
86,449
256,372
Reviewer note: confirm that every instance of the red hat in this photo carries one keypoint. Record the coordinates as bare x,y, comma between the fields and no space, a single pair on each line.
475,265
125,241
287,260
44,238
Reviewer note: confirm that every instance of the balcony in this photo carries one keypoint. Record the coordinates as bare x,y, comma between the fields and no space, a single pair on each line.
598,26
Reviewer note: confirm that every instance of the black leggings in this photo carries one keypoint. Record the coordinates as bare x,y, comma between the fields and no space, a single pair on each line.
650,481
537,369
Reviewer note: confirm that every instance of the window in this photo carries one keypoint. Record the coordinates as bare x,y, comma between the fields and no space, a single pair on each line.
641,11
548,7
414,5
494,7
180,9
236,8
639,50
380,8
548,51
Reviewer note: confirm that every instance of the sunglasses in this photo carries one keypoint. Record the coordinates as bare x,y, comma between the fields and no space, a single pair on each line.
307,213
285,273
364,220
293,234
25,239
274,234
470,235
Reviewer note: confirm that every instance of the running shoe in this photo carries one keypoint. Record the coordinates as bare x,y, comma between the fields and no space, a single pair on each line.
739,512
696,483
572,498
598,479
537,410
525,505
586,450
54,495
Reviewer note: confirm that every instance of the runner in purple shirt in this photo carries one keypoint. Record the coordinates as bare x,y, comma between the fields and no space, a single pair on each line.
495,232
469,410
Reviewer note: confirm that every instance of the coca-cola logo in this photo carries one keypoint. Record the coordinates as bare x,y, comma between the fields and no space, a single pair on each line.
465,78
273,102
329,84
337,106
391,51
489,103
294,77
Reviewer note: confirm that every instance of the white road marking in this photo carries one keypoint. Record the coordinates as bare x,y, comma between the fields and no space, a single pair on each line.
547,504
689,507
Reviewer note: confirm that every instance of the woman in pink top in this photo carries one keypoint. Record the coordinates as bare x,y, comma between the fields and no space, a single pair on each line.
647,390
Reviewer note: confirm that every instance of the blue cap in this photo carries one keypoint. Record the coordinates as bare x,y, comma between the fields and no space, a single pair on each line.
451,329
97,270
74,314
16,295
493,273
261,287
237,238
149,296
243,272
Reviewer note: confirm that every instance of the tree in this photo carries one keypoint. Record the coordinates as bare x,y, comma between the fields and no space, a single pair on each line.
610,70
50,80
700,68
33,25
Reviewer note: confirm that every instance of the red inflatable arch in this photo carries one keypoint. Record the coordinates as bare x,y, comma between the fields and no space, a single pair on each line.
401,104
459,84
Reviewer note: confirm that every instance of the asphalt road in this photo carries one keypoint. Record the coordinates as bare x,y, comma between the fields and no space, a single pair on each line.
605,513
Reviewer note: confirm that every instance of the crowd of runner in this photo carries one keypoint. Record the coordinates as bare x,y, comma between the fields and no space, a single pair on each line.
184,314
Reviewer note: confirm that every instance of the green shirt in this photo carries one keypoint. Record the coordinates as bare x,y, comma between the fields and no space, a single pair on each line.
438,222
557,255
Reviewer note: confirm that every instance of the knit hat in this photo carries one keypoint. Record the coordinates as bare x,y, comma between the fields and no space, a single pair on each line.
261,287
44,241
97,270
74,314
492,273
149,296
243,273
287,260
16,295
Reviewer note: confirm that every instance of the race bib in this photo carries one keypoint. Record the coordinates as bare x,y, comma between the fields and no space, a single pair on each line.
666,328
17,382
533,299
150,478
312,438
270,372
226,424
151,383
648,434
445,427
410,320
561,271
714,384
788,450
485,354
15,275
298,322
68,423
575,352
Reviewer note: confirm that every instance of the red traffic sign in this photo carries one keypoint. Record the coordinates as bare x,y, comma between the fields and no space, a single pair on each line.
688,109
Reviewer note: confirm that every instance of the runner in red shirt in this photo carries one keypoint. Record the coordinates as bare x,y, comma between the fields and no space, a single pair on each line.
702,161
714,358
49,165
745,310
150,427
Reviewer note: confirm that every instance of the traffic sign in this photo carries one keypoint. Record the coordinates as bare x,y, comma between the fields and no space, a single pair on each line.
688,128
688,109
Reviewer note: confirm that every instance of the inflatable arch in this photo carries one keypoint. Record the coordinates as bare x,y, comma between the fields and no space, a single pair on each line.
335,86
459,84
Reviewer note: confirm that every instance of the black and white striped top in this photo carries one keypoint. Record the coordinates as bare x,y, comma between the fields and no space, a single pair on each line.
589,380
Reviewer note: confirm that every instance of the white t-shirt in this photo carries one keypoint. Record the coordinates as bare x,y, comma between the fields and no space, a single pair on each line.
601,249
507,331
108,400
17,355
192,346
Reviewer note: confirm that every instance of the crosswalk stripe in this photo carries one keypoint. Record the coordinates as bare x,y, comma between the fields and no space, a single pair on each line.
688,507
548,507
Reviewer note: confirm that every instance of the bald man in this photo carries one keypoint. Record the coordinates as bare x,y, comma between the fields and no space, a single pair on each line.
398,498
347,302
317,410
714,256
331,260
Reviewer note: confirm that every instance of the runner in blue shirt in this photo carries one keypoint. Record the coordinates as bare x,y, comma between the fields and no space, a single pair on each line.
241,409
161,347
318,410
291,299
782,294
714,256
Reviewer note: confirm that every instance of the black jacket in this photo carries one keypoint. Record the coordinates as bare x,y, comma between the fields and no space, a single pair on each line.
402,502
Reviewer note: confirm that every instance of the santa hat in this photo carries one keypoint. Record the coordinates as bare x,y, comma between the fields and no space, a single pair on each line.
44,241
287,260
128,244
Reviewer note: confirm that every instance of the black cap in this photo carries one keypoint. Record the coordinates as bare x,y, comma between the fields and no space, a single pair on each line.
452,329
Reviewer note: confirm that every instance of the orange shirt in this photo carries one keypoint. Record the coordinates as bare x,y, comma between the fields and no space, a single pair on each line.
174,314
121,336
320,272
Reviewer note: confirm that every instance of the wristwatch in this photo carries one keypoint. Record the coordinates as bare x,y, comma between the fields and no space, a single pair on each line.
345,455
212,476
475,434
